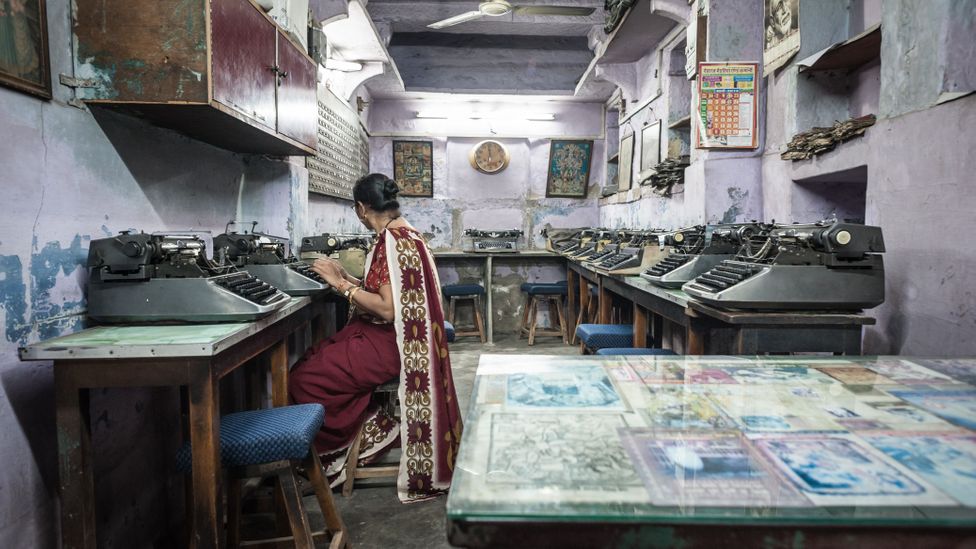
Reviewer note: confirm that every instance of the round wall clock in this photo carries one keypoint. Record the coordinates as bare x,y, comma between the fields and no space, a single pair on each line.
489,157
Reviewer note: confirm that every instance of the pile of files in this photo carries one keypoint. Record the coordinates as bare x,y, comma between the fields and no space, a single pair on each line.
667,174
820,140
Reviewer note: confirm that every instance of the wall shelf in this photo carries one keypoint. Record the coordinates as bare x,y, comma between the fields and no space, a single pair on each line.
683,122
631,39
849,54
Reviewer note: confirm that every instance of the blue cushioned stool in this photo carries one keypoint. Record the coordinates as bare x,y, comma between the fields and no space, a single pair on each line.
589,313
536,294
632,351
465,292
282,437
449,331
594,337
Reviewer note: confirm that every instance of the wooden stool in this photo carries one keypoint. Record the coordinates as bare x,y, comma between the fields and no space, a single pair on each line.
386,396
465,292
590,314
275,441
537,294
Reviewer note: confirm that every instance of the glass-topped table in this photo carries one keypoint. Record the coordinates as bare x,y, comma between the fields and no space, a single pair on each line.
701,451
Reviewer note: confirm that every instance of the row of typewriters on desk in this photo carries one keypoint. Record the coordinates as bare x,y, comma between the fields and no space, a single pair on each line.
167,277
823,266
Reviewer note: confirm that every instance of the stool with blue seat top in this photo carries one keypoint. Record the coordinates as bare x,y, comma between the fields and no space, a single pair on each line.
455,293
275,441
628,351
594,337
539,294
589,314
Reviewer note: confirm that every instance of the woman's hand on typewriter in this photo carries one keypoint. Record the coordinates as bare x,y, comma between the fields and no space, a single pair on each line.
330,270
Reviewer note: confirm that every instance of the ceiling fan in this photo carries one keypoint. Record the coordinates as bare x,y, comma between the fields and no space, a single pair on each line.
497,8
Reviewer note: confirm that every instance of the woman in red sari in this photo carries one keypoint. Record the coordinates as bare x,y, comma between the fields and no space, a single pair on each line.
396,331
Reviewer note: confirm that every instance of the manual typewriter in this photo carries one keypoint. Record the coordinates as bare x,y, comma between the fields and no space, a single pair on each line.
825,265
593,245
267,258
575,244
697,249
559,239
168,278
348,249
628,255
493,241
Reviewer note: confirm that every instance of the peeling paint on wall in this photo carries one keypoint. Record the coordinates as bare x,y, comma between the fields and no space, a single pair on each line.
738,197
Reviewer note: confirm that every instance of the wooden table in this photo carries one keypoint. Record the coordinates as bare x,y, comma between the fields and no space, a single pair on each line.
194,356
488,269
721,451
656,305
578,278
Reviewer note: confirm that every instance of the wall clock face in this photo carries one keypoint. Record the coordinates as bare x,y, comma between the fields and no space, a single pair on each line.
489,157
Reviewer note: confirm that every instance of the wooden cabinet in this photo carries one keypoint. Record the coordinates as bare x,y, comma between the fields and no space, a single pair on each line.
218,70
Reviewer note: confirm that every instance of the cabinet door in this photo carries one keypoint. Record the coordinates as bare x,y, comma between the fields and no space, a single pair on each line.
243,58
297,99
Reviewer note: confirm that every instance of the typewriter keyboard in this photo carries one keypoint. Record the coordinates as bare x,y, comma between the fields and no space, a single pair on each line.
614,260
668,264
725,275
493,245
305,270
250,288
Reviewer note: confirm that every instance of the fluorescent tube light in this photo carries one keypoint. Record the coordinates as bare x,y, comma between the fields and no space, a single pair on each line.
501,115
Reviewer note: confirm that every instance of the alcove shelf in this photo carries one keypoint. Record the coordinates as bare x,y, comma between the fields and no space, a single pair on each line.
847,55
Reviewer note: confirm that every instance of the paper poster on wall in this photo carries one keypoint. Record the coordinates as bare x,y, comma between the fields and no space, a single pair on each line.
626,163
726,116
782,37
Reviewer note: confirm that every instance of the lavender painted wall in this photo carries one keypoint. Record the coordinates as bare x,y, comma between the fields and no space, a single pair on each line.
69,176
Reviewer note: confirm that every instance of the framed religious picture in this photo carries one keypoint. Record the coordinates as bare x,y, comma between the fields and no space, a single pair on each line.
781,40
413,167
24,61
650,146
626,164
569,168
727,98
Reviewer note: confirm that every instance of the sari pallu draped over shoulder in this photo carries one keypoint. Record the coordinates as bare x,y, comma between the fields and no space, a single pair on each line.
430,419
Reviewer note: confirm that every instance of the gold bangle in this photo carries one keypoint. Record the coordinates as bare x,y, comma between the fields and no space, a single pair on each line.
352,293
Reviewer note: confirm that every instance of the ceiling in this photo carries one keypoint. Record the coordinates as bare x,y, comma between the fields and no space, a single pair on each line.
520,54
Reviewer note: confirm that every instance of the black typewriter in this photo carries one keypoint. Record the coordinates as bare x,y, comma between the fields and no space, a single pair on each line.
575,244
628,254
697,249
816,266
166,277
493,241
266,257
348,249
592,245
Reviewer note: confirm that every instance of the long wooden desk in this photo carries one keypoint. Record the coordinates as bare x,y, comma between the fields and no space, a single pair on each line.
717,451
488,269
713,331
194,356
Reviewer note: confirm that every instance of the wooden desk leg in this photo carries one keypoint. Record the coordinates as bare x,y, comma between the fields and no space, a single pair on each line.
695,340
571,286
584,292
278,357
488,301
606,303
204,433
640,327
75,477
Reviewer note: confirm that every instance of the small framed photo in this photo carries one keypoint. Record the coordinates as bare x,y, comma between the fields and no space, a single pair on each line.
24,60
569,168
650,146
626,163
413,167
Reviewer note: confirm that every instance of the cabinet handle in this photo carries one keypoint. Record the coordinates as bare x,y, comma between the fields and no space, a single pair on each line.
274,69
283,74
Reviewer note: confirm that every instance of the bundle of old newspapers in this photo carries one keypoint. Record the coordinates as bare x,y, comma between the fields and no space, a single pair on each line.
664,176
820,140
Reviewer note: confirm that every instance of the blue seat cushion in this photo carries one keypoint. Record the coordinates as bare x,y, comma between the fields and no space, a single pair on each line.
457,290
601,336
548,289
527,285
263,436
632,351
449,331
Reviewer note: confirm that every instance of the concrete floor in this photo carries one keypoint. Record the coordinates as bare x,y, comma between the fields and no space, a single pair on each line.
374,516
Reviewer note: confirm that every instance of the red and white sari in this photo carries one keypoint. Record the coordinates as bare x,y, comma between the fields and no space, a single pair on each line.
342,372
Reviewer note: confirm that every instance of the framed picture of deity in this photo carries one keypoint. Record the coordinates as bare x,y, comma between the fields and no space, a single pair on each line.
569,168
24,61
413,167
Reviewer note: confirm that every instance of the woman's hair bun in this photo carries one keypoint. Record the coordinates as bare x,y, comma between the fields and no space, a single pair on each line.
390,189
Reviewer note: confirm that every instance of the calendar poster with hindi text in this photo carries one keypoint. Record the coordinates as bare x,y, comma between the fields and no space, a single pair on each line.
726,116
